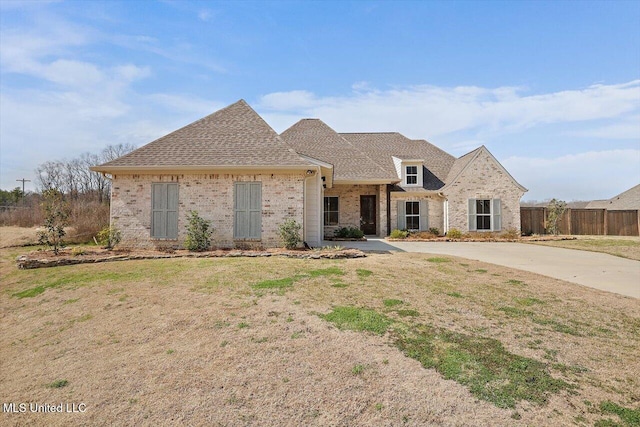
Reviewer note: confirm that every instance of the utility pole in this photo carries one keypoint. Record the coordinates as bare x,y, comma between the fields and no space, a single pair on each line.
23,181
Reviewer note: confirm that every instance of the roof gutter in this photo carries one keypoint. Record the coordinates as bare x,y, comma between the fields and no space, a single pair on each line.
365,181
198,168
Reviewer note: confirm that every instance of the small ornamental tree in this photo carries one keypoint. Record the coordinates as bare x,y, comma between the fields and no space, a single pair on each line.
555,208
56,218
290,233
199,232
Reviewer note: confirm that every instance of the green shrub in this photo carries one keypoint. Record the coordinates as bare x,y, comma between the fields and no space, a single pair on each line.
435,231
349,233
290,233
109,237
199,233
399,234
454,233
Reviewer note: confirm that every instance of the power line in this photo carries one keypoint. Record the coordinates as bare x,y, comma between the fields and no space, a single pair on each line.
23,181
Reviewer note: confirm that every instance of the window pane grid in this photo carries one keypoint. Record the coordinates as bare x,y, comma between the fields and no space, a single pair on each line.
412,174
412,215
331,210
483,214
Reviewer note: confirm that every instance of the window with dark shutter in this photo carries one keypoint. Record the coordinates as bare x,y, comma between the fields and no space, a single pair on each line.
485,215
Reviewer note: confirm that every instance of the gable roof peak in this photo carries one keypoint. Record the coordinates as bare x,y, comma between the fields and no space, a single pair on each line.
462,162
233,136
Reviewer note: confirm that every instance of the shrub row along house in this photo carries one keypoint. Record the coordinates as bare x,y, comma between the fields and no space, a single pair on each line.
235,170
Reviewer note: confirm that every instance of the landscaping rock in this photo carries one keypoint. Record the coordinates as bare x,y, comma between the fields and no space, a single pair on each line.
43,259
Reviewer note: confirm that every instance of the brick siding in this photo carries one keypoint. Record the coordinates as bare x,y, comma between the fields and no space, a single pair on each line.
211,196
484,179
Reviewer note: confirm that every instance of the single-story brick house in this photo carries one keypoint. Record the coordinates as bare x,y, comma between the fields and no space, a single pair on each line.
235,170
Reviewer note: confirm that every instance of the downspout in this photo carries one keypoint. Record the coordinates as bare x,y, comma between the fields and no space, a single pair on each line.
305,236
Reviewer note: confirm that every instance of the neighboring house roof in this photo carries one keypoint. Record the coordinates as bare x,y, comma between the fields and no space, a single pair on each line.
313,138
628,200
463,163
233,136
382,146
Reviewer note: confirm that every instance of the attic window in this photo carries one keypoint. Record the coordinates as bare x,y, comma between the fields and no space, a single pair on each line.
411,175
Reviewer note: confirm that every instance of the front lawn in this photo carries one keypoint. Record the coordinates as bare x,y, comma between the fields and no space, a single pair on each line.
625,247
391,339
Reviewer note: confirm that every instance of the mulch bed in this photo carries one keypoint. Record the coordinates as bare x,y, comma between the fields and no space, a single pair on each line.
43,259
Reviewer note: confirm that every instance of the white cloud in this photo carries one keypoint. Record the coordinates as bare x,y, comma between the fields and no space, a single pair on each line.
286,101
205,15
627,128
73,105
23,47
428,111
462,118
583,176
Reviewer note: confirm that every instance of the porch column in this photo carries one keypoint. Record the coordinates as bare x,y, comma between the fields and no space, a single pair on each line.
382,210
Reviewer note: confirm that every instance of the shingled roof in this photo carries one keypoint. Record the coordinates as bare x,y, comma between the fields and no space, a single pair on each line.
459,164
382,146
628,200
233,136
313,138
237,137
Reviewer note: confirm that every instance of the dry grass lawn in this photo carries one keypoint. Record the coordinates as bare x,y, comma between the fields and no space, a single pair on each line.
625,247
17,236
241,342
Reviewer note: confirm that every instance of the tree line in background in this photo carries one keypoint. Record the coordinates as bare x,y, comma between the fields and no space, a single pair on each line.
86,193
74,179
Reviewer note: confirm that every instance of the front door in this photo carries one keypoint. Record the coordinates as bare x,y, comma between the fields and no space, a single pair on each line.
368,214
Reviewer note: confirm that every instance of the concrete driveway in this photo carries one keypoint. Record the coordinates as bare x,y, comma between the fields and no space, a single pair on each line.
593,269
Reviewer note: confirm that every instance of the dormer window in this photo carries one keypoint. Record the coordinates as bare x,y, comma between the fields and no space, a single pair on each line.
409,171
411,175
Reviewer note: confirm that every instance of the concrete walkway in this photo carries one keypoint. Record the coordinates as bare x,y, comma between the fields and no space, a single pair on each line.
593,269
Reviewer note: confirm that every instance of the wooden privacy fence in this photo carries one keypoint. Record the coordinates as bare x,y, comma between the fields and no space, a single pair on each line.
582,222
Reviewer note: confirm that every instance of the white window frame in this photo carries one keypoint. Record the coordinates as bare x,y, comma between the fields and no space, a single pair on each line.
412,175
337,212
479,203
412,215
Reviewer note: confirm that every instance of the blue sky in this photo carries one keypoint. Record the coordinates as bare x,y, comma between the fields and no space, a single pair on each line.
551,88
